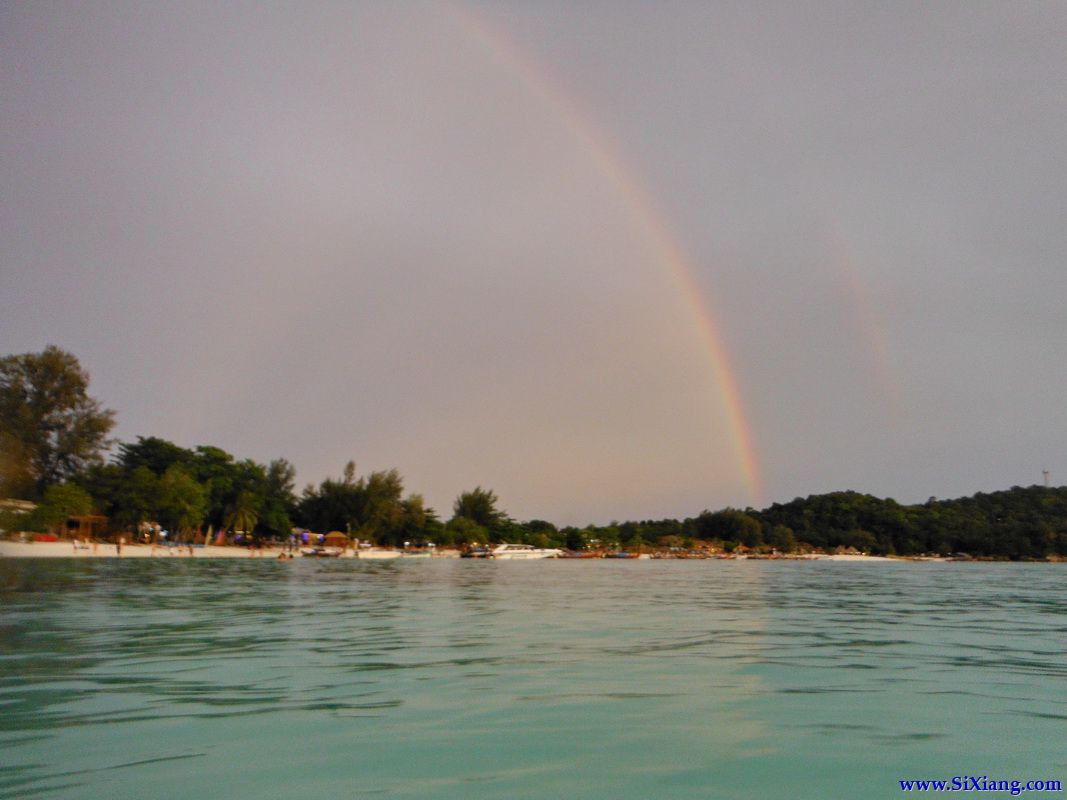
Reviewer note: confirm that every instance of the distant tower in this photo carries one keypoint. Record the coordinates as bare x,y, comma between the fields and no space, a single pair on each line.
1045,473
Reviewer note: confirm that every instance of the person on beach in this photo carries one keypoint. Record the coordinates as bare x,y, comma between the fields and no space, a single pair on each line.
118,545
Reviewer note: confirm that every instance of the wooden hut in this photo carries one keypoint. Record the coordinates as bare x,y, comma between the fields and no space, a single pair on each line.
337,539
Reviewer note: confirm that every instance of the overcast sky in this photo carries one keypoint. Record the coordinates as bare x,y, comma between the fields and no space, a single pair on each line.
431,237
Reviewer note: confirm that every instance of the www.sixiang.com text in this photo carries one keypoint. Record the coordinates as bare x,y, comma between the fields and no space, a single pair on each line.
972,783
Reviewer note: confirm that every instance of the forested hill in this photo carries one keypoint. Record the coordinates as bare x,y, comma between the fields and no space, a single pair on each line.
1018,523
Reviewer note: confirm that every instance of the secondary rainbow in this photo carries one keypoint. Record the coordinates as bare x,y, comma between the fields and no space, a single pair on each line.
868,323
648,219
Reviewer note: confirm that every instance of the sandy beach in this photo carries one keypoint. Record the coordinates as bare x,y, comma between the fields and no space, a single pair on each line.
108,550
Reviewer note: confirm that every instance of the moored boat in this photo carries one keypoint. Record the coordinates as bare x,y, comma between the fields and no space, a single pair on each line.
322,552
516,552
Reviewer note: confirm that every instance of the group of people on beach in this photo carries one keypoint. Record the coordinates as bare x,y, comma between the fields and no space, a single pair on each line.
93,544
171,549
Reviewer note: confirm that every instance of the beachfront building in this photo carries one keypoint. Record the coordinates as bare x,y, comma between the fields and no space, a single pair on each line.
85,527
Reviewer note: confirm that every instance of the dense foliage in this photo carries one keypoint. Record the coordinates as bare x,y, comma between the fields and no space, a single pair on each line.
156,481
53,436
50,428
1018,523
371,508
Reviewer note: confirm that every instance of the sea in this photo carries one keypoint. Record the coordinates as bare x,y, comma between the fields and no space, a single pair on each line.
447,678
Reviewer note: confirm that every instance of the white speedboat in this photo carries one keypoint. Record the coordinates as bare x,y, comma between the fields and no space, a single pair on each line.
375,554
523,551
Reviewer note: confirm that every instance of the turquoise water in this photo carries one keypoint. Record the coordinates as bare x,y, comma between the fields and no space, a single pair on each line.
571,679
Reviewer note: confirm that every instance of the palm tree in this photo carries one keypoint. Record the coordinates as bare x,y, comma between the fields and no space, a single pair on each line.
244,514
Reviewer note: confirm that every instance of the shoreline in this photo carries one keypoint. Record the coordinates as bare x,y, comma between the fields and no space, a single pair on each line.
65,549
10,549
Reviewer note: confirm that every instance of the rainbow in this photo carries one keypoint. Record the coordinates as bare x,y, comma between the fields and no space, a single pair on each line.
650,222
868,323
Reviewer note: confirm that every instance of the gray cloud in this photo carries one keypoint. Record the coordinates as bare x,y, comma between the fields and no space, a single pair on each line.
355,231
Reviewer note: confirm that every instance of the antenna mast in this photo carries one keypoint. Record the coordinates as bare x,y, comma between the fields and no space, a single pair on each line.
1045,472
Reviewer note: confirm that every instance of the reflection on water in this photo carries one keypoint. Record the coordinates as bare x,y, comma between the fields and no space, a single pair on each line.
566,679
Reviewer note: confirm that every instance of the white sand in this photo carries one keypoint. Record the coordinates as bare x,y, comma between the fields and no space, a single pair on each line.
102,550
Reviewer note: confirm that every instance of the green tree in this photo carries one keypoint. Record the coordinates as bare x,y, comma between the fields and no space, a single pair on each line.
464,530
219,474
128,489
418,523
137,498
372,508
381,513
729,525
154,453
60,501
575,538
331,506
279,501
479,506
51,430
183,501
781,538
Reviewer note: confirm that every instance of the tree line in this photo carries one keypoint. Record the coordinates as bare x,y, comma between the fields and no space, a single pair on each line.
54,439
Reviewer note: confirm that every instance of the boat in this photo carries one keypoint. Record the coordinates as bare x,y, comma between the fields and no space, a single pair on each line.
375,554
322,552
515,552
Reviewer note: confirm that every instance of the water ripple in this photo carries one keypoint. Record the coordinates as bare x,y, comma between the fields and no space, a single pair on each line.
415,671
